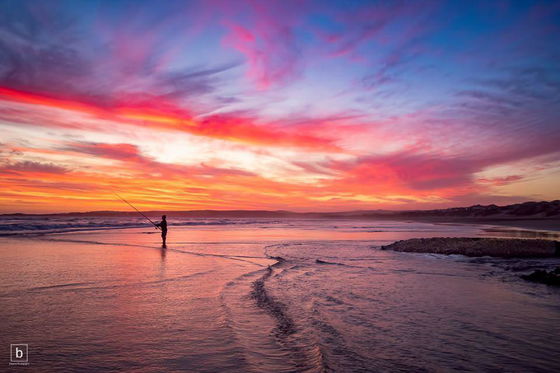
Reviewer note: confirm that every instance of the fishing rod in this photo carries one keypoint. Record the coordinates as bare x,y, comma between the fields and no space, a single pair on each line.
130,204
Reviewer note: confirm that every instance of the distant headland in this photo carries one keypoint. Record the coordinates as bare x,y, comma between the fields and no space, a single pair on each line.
532,215
526,210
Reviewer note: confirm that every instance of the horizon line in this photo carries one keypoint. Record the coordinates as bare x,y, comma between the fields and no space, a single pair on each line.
275,211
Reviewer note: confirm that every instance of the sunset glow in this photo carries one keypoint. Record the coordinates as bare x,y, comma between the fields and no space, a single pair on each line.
322,106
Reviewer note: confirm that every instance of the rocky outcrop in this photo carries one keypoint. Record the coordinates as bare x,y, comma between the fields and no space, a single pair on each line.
498,247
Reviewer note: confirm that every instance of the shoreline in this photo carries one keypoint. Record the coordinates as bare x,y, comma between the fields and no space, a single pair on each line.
535,224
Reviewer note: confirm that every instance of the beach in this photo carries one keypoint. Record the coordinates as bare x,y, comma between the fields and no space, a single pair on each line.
262,295
279,186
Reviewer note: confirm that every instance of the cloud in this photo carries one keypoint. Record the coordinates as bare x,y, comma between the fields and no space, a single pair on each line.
46,51
25,167
517,91
405,172
160,114
307,104
499,181
137,162
417,173
190,82
269,43
126,152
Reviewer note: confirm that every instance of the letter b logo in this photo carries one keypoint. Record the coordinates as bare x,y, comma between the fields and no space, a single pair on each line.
18,353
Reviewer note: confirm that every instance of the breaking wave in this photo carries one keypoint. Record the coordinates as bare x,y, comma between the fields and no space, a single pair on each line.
34,225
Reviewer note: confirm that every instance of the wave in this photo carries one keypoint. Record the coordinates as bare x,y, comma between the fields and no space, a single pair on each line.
49,225
324,262
319,261
284,324
72,284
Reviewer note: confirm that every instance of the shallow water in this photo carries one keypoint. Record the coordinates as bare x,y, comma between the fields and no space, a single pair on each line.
111,299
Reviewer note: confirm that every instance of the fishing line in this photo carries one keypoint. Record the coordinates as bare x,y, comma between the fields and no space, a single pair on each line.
130,204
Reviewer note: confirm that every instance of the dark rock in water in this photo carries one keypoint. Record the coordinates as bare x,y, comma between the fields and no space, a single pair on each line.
499,247
544,277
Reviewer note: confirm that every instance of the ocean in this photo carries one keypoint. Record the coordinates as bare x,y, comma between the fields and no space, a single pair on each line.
268,295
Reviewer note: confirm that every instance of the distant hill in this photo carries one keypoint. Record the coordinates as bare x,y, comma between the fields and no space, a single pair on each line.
527,210
520,210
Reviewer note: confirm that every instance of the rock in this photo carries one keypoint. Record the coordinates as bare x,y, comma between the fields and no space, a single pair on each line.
499,247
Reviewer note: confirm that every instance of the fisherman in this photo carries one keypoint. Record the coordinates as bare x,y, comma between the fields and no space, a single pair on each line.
163,226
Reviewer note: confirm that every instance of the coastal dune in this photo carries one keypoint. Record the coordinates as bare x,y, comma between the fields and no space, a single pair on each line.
498,247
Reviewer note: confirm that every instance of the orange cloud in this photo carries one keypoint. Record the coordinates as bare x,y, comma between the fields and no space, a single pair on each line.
159,114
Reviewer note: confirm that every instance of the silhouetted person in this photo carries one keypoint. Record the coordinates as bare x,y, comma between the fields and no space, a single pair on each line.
163,227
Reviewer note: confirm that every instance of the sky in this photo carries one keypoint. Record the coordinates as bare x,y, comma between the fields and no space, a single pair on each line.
278,105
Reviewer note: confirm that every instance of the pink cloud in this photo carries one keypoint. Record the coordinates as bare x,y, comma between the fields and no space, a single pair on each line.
268,42
125,152
159,114
499,181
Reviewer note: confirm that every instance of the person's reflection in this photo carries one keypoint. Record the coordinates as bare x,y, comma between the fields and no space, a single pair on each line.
162,264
